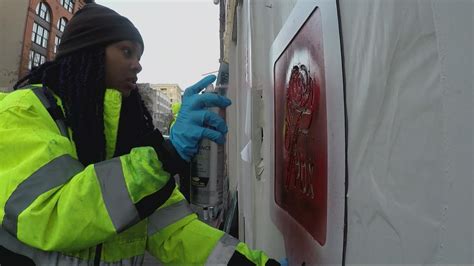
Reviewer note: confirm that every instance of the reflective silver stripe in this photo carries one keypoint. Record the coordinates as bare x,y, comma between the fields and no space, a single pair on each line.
38,256
41,96
55,258
122,210
39,91
134,261
223,251
168,215
51,175
62,127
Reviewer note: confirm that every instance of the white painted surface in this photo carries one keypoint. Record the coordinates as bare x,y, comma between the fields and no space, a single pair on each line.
409,69
260,20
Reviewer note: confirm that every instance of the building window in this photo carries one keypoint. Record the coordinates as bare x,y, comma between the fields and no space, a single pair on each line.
68,5
57,41
40,35
42,11
61,24
35,59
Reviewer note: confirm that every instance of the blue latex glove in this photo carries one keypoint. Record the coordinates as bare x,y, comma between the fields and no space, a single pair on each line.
283,262
194,117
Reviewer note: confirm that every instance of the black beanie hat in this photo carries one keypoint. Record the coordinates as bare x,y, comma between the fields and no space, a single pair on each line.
96,25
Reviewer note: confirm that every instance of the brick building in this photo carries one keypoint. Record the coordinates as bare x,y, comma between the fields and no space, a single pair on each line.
30,33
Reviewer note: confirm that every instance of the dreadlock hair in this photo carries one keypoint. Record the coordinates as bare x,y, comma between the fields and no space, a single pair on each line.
134,125
79,80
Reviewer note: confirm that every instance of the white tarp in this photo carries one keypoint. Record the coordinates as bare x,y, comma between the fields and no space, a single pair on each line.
410,107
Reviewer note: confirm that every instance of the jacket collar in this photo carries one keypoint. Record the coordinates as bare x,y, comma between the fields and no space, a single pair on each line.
112,107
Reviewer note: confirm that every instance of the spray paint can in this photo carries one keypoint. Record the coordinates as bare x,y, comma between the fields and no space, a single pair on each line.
208,172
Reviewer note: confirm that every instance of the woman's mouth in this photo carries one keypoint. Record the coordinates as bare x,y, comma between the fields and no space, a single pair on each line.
132,83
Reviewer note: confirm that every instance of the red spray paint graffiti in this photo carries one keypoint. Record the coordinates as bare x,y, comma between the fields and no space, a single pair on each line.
301,130
301,95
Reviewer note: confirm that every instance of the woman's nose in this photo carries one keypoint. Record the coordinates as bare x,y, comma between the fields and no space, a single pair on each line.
137,67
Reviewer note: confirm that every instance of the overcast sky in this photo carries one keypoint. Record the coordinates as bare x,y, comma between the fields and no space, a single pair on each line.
181,38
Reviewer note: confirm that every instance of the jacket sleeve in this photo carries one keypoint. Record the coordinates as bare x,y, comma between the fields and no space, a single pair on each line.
169,157
50,201
177,237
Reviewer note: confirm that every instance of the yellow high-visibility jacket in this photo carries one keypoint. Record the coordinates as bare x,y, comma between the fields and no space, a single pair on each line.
57,211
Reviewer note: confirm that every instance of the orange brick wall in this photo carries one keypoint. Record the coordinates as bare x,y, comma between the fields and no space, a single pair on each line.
57,11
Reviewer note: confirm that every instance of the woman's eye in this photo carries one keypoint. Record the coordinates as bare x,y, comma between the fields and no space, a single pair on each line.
127,51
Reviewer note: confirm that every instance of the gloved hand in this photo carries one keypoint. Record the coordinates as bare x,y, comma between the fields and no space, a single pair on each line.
190,126
283,262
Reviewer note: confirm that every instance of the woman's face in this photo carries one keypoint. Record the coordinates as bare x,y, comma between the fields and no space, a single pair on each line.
122,64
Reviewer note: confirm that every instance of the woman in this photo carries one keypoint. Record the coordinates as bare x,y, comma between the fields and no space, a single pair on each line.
85,177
